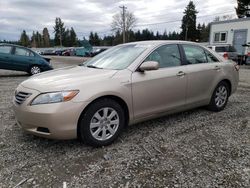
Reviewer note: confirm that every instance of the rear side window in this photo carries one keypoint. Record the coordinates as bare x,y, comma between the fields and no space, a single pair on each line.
22,52
194,54
5,49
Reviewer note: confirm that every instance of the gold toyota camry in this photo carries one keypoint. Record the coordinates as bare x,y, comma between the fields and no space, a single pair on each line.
124,85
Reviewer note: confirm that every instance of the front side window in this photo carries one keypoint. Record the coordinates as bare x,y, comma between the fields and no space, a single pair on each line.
22,52
166,56
194,54
5,49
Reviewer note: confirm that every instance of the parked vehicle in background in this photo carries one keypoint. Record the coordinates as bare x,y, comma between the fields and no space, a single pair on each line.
227,51
48,52
126,84
81,51
97,51
14,57
69,52
59,52
235,32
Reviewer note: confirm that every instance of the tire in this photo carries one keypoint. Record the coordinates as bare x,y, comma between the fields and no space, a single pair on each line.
96,128
220,97
34,70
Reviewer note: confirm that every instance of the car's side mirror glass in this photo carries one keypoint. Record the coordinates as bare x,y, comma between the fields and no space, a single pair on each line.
149,65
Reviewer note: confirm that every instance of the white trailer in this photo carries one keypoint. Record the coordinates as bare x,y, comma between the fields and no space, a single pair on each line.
234,32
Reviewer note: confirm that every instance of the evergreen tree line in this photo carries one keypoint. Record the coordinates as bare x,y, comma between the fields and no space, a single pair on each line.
202,35
63,37
189,31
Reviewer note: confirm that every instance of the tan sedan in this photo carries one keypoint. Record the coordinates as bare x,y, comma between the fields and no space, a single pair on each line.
124,85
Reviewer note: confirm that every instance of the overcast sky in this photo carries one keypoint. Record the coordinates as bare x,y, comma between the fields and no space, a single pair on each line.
96,15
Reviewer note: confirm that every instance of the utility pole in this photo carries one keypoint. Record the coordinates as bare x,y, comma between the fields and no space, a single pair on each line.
60,36
186,32
123,22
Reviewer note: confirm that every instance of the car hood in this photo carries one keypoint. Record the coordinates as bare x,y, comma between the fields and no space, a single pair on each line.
66,78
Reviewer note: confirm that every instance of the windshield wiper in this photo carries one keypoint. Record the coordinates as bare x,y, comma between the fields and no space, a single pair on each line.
93,66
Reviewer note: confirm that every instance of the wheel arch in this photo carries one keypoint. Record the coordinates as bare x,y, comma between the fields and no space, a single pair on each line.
119,100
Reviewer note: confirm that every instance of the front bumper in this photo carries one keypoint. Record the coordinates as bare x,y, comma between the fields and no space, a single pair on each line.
58,119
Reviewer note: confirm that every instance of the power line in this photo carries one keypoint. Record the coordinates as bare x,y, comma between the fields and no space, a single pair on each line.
172,21
161,15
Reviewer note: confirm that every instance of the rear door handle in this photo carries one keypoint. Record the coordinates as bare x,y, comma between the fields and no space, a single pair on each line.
217,68
181,73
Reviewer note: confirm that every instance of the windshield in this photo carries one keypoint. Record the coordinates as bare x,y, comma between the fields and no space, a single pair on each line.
119,57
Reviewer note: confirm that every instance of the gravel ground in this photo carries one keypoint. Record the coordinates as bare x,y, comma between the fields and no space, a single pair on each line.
196,148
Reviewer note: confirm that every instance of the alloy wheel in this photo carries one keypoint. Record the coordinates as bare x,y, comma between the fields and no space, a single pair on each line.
104,123
221,96
35,70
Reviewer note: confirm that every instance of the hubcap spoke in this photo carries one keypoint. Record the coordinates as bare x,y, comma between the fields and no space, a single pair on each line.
105,112
94,125
104,134
113,113
96,133
114,122
97,116
112,132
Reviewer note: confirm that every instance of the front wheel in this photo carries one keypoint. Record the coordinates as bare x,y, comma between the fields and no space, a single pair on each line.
219,98
102,123
34,70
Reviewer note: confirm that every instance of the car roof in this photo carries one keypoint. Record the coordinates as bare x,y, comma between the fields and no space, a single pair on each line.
157,42
8,44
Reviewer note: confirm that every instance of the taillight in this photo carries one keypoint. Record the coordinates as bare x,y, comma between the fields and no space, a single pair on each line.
248,54
225,55
237,67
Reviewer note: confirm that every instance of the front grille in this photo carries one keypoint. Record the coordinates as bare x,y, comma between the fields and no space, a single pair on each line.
20,97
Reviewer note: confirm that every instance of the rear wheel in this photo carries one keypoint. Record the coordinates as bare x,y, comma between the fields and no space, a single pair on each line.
220,97
34,70
102,123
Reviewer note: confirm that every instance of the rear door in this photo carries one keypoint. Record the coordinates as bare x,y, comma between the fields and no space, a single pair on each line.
163,89
5,56
23,58
203,71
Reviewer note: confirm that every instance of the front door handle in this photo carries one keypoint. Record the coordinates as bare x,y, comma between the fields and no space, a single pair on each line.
181,73
217,68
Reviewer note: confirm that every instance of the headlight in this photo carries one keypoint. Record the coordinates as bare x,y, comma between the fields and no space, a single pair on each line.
54,97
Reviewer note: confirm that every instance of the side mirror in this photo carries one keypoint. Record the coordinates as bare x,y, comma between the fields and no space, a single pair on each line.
149,65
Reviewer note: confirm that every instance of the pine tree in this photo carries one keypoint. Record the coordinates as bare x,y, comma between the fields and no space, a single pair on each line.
24,39
188,25
73,38
46,38
59,31
243,8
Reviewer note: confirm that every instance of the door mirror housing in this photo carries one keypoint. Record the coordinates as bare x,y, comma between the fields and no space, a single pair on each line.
149,65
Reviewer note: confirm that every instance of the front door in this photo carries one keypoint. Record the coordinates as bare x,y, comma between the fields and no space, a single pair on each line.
160,90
